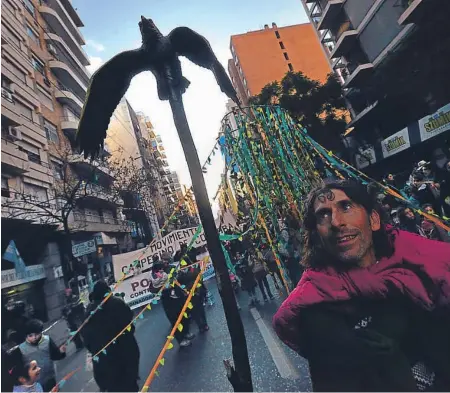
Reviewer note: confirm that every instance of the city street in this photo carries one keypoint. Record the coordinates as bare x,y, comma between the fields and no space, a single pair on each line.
199,367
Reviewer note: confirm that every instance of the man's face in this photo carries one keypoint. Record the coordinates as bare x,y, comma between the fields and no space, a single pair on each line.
409,214
345,228
429,210
390,177
426,171
34,338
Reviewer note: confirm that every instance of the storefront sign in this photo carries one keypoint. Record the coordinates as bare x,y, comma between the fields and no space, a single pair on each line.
396,143
32,273
365,157
169,243
137,289
84,248
435,124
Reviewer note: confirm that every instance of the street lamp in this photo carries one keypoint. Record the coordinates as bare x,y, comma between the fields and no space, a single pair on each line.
159,54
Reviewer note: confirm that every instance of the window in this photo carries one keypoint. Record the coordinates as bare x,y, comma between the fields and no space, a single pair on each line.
277,34
36,193
11,37
16,71
5,188
38,65
34,36
57,170
6,83
245,82
24,111
29,6
281,45
290,67
286,56
33,157
51,132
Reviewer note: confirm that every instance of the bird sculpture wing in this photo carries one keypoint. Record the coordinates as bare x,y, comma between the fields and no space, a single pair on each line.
107,87
196,48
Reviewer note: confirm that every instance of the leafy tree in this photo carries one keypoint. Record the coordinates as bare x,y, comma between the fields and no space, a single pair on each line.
320,108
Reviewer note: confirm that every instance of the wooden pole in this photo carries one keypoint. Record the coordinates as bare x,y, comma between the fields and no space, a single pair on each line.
243,382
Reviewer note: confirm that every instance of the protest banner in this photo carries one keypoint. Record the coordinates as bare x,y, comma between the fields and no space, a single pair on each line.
136,290
170,243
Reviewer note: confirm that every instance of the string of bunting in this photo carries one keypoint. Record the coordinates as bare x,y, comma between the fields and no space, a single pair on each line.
160,361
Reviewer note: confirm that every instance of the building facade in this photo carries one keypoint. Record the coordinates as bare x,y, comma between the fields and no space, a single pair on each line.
264,56
44,82
390,56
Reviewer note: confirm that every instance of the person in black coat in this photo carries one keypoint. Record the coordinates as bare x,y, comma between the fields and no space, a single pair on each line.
118,369
173,299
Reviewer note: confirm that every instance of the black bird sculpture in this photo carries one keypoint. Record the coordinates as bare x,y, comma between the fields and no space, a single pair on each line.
159,54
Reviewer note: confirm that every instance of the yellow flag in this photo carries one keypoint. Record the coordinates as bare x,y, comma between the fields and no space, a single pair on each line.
161,362
180,327
170,337
199,285
190,306
185,315
170,346
149,307
144,389
183,262
129,328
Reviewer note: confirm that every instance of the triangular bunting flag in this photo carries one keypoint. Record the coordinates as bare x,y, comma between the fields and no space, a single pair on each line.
190,306
180,327
161,362
170,346
149,307
129,328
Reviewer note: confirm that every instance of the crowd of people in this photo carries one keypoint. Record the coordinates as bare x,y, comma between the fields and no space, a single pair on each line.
428,189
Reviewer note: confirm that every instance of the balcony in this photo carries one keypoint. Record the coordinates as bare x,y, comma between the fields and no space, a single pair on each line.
96,193
87,165
92,223
417,10
364,117
57,26
66,96
358,76
14,160
68,78
69,126
65,54
346,38
330,13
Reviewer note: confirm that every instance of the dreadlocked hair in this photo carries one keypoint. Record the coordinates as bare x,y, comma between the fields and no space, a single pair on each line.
315,256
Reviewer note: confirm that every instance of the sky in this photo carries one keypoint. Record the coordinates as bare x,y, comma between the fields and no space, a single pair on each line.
111,26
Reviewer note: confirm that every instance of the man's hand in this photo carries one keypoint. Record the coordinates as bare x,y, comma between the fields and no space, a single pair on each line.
63,348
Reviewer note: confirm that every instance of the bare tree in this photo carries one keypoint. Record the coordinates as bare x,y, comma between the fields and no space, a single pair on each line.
55,206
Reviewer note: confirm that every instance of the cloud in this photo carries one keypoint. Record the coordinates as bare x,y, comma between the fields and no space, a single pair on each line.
95,45
96,62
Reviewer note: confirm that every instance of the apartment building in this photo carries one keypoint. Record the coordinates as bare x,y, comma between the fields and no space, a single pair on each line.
264,56
44,82
391,58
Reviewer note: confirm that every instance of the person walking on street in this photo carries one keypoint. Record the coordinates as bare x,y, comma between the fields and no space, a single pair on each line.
371,312
42,349
260,273
118,370
187,279
73,312
248,282
173,300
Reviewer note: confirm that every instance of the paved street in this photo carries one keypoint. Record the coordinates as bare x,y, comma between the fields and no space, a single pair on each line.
200,368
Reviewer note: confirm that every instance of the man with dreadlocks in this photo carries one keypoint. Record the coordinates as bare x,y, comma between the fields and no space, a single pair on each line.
371,312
